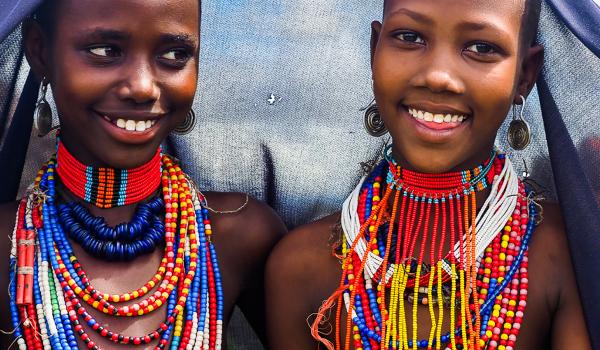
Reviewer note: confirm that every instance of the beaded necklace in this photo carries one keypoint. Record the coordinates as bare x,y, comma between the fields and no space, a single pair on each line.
482,279
50,288
108,187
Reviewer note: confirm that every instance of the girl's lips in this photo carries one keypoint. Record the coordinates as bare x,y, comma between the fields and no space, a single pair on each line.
128,130
431,129
439,126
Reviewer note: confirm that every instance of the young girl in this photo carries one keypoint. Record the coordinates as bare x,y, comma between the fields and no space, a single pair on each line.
440,246
114,247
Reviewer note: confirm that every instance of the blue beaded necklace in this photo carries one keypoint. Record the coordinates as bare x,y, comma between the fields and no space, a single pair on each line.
194,303
126,241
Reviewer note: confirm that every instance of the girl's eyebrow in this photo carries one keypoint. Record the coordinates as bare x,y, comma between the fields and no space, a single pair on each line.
419,17
105,34
481,26
181,38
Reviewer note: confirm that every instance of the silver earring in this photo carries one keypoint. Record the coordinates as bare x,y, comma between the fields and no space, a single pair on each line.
42,115
188,124
373,122
519,132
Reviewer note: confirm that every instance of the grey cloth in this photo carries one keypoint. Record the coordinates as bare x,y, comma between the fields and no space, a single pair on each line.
279,97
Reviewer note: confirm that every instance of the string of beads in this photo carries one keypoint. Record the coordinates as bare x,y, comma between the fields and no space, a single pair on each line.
108,187
475,300
51,291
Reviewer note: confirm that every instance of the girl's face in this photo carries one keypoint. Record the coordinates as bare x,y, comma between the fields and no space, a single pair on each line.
114,65
445,74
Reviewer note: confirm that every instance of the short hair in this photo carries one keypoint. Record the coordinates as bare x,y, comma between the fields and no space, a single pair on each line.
45,15
530,22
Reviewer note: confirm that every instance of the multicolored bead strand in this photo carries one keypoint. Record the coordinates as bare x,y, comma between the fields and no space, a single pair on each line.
108,187
482,280
187,282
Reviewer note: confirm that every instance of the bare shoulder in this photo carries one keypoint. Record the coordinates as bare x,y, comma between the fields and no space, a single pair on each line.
549,256
7,221
8,213
245,229
240,217
553,302
304,259
301,273
549,248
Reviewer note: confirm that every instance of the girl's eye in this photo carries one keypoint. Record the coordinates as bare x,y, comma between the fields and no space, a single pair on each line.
410,37
176,55
104,51
481,48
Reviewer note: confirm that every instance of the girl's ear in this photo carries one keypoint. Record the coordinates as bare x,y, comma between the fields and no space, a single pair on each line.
36,44
530,69
375,31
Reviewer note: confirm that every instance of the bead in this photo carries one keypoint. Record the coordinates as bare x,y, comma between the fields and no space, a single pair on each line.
500,281
61,287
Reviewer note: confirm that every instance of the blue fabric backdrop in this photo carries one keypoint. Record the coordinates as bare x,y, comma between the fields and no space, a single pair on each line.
279,98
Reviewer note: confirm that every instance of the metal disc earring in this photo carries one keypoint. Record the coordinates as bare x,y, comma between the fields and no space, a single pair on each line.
42,115
373,122
519,132
188,124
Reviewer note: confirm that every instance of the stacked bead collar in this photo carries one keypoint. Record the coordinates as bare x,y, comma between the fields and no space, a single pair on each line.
108,187
50,288
483,279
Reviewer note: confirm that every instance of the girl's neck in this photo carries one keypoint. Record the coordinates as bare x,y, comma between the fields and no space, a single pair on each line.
106,188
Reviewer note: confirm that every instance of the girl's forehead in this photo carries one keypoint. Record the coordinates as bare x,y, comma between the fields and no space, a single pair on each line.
506,14
507,7
182,10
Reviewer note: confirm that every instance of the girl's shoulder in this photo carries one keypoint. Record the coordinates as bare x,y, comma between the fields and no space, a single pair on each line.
553,299
243,227
305,258
8,213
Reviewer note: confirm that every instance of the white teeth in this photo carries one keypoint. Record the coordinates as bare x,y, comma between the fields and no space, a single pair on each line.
436,118
140,126
134,125
130,125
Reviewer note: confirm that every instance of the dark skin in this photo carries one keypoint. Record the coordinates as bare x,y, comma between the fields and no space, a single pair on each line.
103,65
448,57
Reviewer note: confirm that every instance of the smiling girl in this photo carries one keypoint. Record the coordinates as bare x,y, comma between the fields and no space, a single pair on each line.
114,247
440,246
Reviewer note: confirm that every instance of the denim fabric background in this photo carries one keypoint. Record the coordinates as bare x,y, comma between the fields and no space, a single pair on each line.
301,152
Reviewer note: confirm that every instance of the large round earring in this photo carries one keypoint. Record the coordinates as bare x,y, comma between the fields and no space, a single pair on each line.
373,122
188,124
42,115
519,132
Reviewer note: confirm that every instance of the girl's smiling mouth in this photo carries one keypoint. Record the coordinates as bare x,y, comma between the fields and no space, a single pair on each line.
437,120
132,122
436,125
130,127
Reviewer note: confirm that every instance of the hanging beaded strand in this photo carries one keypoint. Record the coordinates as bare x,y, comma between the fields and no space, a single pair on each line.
60,283
379,253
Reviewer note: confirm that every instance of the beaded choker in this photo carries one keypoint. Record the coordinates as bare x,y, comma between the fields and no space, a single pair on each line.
108,187
397,226
50,290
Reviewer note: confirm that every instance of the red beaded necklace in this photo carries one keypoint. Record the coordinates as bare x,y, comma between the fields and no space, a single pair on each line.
108,187
387,226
